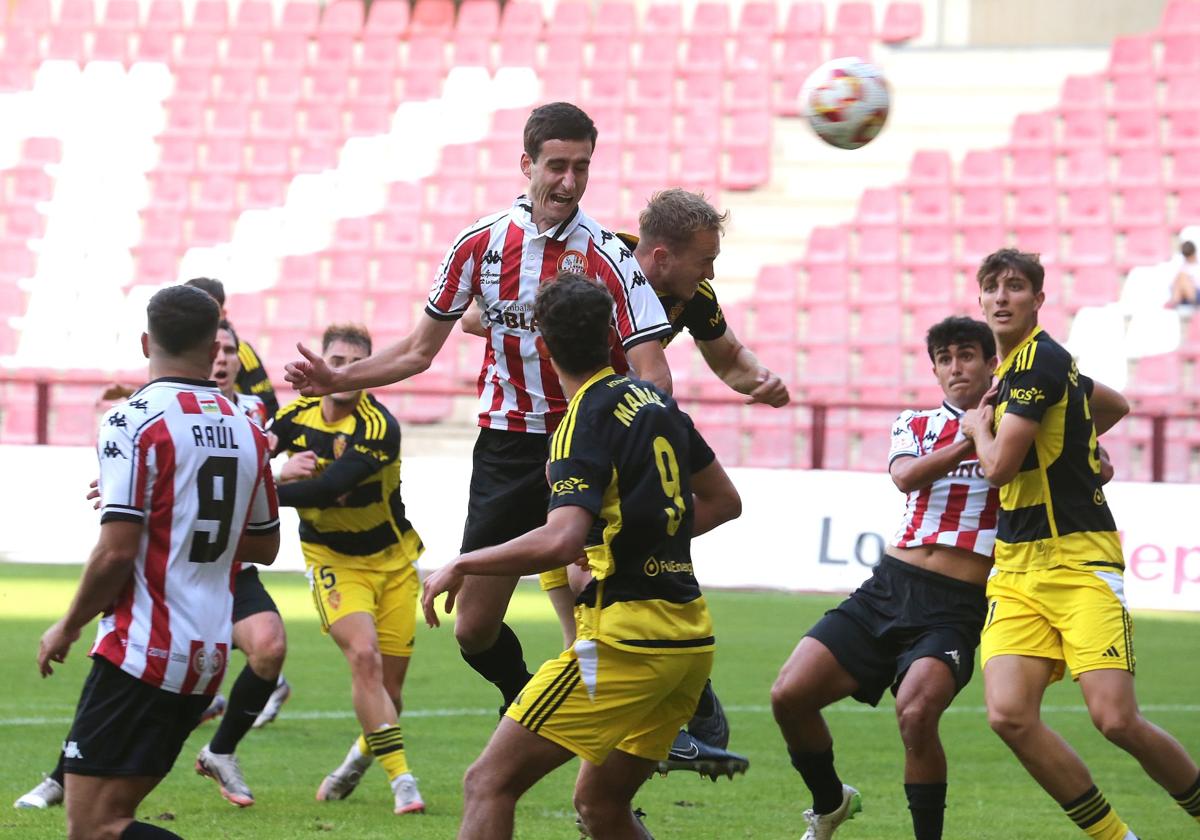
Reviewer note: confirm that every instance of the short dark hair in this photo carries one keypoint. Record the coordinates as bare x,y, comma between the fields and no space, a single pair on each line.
208,284
960,330
573,315
225,325
182,318
557,121
355,334
1187,249
1012,260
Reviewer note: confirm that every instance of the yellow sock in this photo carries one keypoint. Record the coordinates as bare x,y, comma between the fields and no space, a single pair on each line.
1095,817
387,744
363,746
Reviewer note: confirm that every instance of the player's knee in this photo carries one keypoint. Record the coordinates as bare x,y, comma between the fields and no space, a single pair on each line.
1117,725
788,694
267,658
473,636
366,662
1012,725
918,720
479,782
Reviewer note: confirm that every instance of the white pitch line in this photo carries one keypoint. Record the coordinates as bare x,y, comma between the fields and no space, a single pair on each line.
346,714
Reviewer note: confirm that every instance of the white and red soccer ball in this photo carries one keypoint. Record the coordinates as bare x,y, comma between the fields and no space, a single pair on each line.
846,102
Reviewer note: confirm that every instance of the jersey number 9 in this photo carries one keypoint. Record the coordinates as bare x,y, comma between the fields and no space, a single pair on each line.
668,473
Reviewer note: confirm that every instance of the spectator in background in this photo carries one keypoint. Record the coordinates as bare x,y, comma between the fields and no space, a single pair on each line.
252,379
1184,286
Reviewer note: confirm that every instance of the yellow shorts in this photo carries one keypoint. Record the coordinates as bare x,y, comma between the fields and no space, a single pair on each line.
388,597
1074,616
594,699
553,579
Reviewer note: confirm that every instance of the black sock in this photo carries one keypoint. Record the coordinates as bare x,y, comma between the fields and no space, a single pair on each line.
1189,800
503,664
250,693
57,773
706,706
817,771
144,831
928,806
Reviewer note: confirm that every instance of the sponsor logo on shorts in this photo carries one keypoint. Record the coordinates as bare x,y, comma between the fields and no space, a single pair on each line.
71,750
1112,653
953,654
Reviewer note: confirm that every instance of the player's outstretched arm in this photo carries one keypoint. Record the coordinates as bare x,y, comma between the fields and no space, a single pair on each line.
649,363
739,368
107,571
554,545
407,357
916,472
1108,407
717,500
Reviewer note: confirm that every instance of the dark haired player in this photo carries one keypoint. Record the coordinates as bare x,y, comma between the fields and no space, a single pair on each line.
360,554
1056,599
631,483
503,259
913,626
186,490
252,377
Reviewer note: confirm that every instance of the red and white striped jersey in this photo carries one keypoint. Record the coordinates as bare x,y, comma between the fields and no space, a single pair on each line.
961,508
502,260
178,458
254,408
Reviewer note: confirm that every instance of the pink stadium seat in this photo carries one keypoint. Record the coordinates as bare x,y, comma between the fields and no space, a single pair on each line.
663,17
711,18
41,151
777,284
17,262
855,18
65,45
572,17
878,284
877,244
857,46
1084,128
562,51
110,45
274,120
156,265
1134,92
879,206
1086,166
1087,206
193,84
367,119
322,120
300,17
770,447
760,17
828,245
335,52
121,16
981,205
520,20
931,245
653,89
198,49
292,312
704,55
753,54
264,191
345,306
800,57
1145,246
399,232
165,16
387,18
233,84
1131,54
155,45
287,48
254,17
1183,130
27,187
1094,286
472,50
1185,169
1039,239
1035,206
826,364
209,228
931,285
1139,167
1181,53
1155,380
652,171
902,22
774,323
826,324
243,50
216,192
1142,207
1187,208
928,167
299,273
806,19
230,119
210,16
162,228
518,51
826,282
1092,245
929,206
1136,130
223,155
23,223
342,17
1032,167
699,168
1033,131
1083,93
178,154
607,85
283,83
1180,16
615,18
982,168
750,95
1182,93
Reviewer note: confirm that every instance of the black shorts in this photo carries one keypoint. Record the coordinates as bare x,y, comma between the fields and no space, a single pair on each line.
509,493
899,615
125,727
250,597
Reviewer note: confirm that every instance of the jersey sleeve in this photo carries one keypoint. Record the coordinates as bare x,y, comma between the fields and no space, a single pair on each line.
122,469
904,439
1036,383
264,508
700,454
579,469
281,426
703,316
637,312
458,275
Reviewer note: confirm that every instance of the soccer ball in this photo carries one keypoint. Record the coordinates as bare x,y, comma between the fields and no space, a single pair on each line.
846,102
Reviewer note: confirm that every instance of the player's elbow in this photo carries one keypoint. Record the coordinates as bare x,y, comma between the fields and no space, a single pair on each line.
260,549
729,505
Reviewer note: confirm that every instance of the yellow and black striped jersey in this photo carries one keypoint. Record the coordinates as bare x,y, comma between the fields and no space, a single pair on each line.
351,513
1054,512
252,378
625,453
701,316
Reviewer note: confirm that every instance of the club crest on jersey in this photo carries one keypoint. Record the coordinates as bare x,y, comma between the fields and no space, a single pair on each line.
339,446
573,261
335,599
210,661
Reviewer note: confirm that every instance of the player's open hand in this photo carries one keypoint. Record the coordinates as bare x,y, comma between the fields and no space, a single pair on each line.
310,375
56,642
447,579
770,390
93,495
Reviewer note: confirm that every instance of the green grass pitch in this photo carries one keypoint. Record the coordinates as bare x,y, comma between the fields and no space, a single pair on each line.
449,714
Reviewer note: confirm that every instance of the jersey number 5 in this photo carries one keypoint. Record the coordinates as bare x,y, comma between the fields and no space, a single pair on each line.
216,485
668,472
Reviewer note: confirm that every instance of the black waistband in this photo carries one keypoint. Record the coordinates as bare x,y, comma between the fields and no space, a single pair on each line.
897,565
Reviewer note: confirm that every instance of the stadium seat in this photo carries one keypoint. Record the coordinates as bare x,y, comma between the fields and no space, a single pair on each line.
1036,205
254,17
758,17
274,120
773,323
777,284
1180,53
931,245
41,151
1139,167
879,206
1131,54
65,45
856,46
981,205
1142,207
110,45
826,282
234,84
1040,239
1183,130
1085,167
751,94
704,56
23,224
854,18
1033,131
805,19
878,284
263,191
828,245
121,16
1091,245
210,16
1032,167
711,18
163,16
877,244
1180,16
1094,286
155,45
930,285
572,18
902,22
929,206
208,228
17,262
1145,246
1087,206
825,324
1136,130
982,168
224,155
1133,92
928,167
1084,128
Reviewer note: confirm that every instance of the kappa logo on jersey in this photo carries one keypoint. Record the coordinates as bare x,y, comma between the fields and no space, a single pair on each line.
930,436
141,405
639,279
624,254
573,261
111,450
71,750
1028,396
491,258
117,420
567,486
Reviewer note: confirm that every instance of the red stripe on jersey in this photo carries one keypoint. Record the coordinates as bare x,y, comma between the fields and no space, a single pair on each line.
516,375
468,248
112,647
551,388
510,262
918,516
955,502
193,675
158,549
189,403
598,263
266,477
215,682
991,510
225,407
551,254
